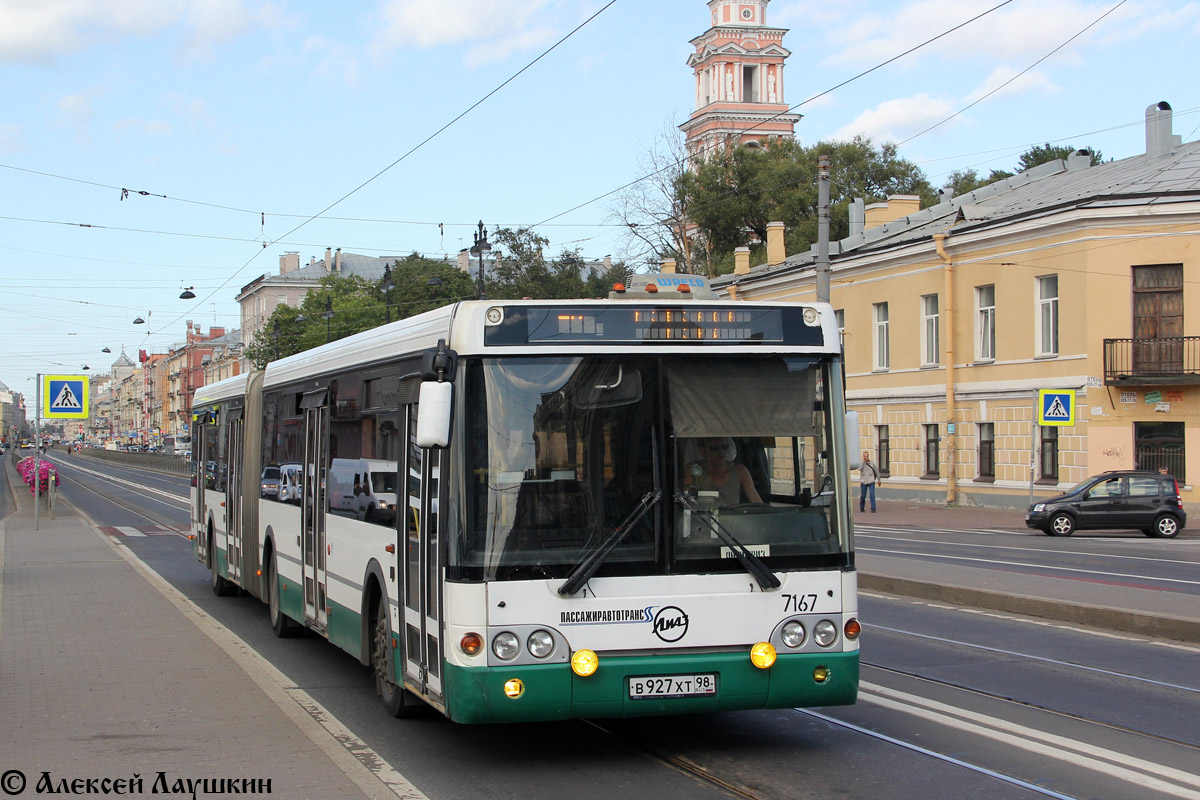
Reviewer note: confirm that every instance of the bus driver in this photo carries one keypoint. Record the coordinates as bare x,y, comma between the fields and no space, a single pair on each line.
717,471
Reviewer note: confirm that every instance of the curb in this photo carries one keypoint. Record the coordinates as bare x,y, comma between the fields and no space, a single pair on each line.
1183,630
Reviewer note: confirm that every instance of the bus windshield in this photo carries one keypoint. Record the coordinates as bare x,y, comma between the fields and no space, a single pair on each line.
561,451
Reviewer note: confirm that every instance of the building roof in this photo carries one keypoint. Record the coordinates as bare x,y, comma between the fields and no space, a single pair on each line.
1168,173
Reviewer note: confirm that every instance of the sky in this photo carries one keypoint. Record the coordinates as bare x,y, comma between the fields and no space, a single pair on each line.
151,145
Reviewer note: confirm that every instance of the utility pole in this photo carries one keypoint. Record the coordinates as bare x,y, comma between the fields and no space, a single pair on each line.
822,267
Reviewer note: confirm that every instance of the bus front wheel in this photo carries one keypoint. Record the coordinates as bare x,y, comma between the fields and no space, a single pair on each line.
396,699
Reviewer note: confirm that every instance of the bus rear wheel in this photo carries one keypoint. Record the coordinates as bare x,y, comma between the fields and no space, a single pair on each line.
220,586
397,700
280,622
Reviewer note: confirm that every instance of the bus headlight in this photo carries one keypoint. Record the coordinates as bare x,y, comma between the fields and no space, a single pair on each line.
825,633
793,633
540,644
506,646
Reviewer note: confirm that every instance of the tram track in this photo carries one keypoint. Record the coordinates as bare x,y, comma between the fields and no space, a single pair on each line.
108,498
1107,725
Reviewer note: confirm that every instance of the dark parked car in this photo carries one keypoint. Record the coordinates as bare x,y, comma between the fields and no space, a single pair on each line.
1148,501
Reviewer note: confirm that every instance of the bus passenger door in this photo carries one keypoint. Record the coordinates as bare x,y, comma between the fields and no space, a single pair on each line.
312,502
233,495
422,568
199,506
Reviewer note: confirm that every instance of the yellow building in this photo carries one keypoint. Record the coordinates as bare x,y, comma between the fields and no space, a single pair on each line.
1067,277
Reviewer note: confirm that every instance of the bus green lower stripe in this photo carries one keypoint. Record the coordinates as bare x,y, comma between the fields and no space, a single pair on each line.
553,692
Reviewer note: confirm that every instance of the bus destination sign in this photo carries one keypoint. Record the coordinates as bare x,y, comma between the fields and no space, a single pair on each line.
687,325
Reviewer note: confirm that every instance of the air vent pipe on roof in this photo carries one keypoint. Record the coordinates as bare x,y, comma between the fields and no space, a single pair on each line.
1159,139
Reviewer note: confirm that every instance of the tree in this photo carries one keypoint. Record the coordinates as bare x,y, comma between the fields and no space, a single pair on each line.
521,270
653,213
357,305
966,180
734,193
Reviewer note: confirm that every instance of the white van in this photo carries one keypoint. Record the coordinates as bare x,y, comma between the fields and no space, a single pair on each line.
291,484
365,487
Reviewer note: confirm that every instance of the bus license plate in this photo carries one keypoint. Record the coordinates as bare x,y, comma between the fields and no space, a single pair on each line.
657,686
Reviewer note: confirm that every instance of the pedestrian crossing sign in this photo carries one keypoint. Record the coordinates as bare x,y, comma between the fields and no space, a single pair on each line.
1056,407
64,397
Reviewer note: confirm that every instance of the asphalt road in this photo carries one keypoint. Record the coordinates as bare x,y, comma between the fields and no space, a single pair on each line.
955,702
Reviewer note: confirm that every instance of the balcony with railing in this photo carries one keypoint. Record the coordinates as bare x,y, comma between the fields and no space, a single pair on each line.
1171,361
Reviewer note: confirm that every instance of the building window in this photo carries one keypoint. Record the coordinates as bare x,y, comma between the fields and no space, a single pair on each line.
985,323
1049,460
1047,319
1160,444
987,450
929,330
883,459
931,452
882,341
749,84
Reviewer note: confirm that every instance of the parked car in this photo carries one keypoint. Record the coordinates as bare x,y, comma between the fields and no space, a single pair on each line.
1147,501
269,483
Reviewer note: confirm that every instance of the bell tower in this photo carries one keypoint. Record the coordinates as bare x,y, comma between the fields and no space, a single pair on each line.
738,66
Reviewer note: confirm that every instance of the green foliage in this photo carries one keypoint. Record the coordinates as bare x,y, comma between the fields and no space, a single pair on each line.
357,305
966,180
520,270
733,194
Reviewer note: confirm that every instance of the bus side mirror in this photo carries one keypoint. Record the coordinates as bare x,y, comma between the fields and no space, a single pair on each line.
433,414
853,451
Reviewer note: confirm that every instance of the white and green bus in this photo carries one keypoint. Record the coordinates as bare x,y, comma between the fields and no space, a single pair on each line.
608,508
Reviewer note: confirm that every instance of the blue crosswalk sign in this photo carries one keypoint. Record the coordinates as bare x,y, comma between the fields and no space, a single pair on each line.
64,396
1056,407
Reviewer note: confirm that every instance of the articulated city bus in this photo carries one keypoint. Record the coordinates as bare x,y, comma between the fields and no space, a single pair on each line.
597,508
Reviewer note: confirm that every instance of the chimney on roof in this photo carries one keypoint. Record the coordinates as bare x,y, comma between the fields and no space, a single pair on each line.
741,261
328,259
858,216
1159,140
337,261
897,206
776,251
289,261
667,265
464,261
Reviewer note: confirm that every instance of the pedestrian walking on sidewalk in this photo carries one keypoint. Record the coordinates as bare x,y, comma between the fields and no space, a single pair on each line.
868,476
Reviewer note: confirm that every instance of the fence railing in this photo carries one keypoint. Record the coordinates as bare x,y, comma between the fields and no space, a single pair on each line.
175,465
1172,360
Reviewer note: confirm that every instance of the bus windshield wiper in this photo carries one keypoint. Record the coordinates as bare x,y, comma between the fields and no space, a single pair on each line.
586,568
766,579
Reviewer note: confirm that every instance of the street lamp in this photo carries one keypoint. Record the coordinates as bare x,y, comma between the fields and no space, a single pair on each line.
328,315
387,287
480,247
188,294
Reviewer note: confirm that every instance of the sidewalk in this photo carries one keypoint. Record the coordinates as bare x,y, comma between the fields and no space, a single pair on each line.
1112,603
107,672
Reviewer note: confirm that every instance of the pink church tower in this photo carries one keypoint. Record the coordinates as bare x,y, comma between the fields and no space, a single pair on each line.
739,80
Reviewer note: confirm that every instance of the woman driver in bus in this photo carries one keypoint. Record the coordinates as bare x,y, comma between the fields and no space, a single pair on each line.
717,471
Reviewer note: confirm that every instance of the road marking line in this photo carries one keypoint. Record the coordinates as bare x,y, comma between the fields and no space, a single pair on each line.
128,530
1107,762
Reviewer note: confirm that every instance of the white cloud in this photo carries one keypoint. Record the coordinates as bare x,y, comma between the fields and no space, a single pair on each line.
500,27
1032,81
147,127
41,31
11,138
895,120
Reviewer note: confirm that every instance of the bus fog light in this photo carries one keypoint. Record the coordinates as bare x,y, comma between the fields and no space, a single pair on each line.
584,662
762,655
852,629
514,687
540,644
825,633
470,643
794,633
506,646
820,674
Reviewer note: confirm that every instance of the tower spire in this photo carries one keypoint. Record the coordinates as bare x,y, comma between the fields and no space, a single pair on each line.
738,65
